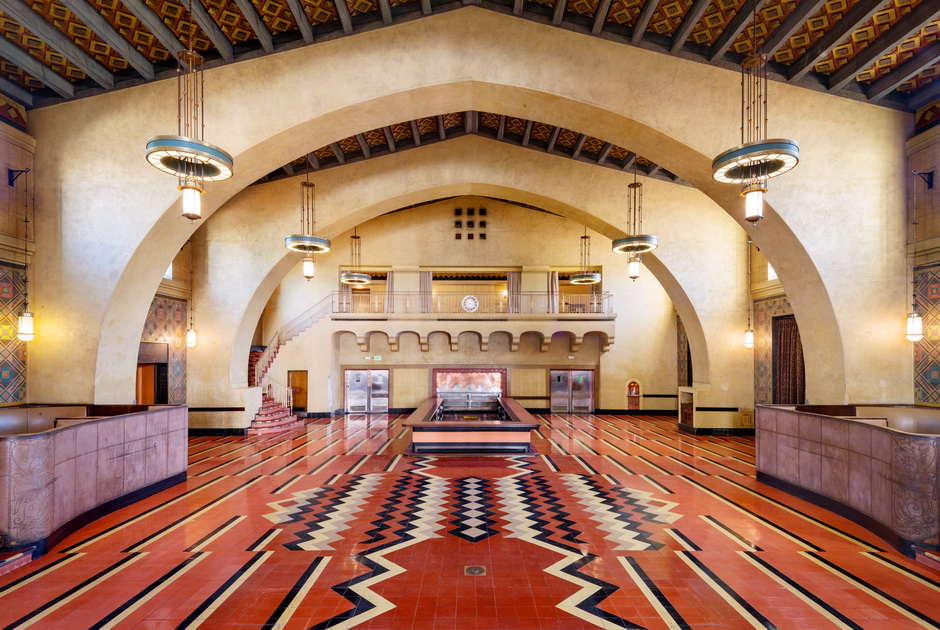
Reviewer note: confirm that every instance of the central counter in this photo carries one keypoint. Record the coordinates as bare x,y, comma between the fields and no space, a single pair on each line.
435,429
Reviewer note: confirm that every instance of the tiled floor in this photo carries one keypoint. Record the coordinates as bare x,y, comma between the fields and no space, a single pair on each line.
620,522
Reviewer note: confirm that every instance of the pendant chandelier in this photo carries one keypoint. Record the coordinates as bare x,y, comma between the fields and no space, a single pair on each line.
915,323
25,329
354,276
635,244
191,333
748,332
585,275
187,155
756,159
307,242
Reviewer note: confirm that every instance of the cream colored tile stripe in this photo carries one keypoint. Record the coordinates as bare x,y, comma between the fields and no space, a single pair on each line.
721,592
725,532
806,600
41,573
219,533
218,601
299,596
264,543
680,540
104,534
143,600
329,460
649,595
192,516
908,573
871,592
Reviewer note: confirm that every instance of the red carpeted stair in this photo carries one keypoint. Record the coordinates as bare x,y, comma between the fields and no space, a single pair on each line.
253,357
273,416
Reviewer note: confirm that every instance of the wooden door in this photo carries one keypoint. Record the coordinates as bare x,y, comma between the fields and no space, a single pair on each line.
297,380
146,377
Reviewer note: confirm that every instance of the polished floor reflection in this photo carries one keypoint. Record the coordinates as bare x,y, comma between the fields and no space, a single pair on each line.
619,522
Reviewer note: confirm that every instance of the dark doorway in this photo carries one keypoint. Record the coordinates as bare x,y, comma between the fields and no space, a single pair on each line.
789,376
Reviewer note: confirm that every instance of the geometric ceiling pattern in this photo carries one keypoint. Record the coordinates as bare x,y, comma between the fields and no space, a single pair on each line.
883,51
529,134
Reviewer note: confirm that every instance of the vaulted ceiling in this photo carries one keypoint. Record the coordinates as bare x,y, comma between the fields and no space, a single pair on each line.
883,51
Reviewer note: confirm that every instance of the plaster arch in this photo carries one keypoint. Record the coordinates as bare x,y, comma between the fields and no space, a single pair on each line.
127,309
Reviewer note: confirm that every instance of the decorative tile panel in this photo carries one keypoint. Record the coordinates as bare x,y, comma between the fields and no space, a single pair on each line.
13,352
127,24
715,19
166,323
922,79
349,145
625,12
541,131
427,125
320,11
25,39
764,312
927,351
768,19
901,53
276,15
357,7
178,20
682,353
230,20
581,7
668,16
814,28
69,25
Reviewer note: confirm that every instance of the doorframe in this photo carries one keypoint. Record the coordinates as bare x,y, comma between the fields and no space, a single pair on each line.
306,390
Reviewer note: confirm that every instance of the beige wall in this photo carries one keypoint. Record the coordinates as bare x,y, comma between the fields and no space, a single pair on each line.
119,217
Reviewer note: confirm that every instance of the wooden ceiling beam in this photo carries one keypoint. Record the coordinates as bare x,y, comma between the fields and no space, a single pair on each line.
883,44
155,25
426,7
289,169
600,16
32,66
338,152
386,9
501,129
303,22
579,146
517,7
605,152
212,31
313,161
441,129
922,59
101,27
527,134
734,28
342,10
691,18
629,161
925,95
471,121
56,40
389,139
643,20
558,15
257,24
790,25
15,91
364,145
553,139
850,22
414,132
653,170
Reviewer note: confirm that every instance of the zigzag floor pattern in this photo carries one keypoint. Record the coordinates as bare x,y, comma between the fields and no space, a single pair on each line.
619,522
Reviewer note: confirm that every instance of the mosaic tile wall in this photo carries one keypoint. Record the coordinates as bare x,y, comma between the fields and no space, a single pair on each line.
764,312
682,353
12,351
927,351
166,323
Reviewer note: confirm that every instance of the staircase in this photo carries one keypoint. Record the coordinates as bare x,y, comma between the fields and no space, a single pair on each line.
253,357
272,417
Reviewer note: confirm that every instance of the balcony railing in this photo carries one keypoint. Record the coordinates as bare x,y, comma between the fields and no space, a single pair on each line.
466,303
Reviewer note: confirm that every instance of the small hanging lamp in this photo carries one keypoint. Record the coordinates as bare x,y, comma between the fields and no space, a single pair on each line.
191,340
354,276
635,243
307,242
187,155
748,332
633,267
585,275
756,159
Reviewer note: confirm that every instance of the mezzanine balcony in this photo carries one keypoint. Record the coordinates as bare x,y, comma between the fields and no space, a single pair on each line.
472,305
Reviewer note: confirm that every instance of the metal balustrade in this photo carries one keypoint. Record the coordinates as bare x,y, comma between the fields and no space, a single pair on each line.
524,303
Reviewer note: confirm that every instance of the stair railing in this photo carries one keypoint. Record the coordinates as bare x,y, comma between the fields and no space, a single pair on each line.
288,331
279,392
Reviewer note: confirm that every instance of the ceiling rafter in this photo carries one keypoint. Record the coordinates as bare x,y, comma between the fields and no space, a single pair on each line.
212,31
553,139
415,133
920,61
605,151
345,18
389,138
313,161
731,32
257,24
527,134
501,130
338,152
850,22
643,20
364,145
884,43
156,26
691,18
426,7
558,14
33,66
629,161
62,44
579,146
600,16
386,9
303,22
109,35
517,7
16,92
441,128
790,25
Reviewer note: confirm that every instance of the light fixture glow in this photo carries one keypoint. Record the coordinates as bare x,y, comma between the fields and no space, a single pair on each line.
24,327
633,269
355,276
308,268
191,338
192,198
754,202
307,242
915,327
585,275
749,338
635,243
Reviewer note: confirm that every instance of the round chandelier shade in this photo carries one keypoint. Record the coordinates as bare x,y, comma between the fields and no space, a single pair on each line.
638,244
591,277
757,160
307,244
189,157
354,278
24,327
